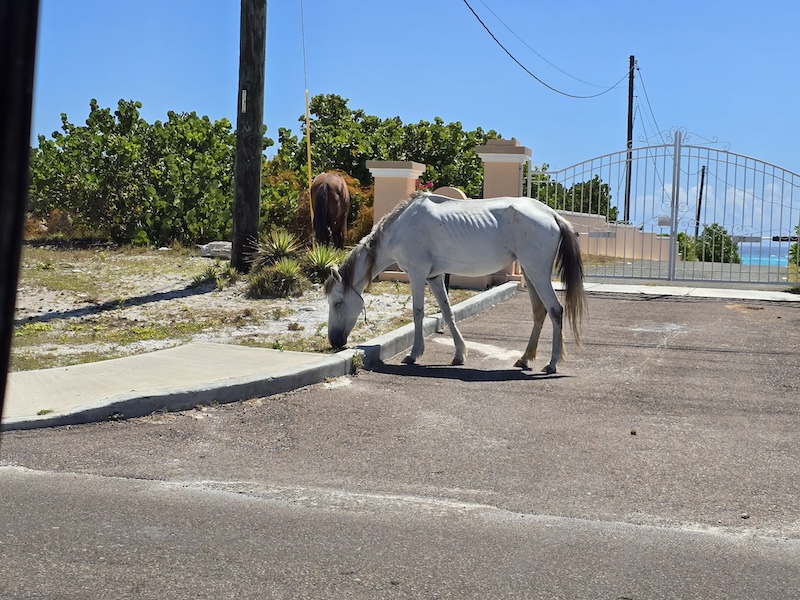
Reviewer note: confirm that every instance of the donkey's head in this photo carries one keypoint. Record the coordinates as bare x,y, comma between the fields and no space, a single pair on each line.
345,304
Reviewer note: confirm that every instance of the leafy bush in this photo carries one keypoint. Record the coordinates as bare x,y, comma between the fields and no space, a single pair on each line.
686,247
362,225
713,245
121,178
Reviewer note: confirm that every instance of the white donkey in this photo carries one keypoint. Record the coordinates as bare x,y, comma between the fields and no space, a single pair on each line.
430,235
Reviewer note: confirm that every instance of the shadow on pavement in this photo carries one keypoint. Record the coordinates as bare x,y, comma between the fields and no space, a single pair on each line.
461,373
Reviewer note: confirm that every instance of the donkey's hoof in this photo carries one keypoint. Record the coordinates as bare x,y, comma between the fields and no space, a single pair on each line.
522,364
409,360
458,360
549,369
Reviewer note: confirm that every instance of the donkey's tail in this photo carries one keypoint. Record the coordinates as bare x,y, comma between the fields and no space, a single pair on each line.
569,266
321,225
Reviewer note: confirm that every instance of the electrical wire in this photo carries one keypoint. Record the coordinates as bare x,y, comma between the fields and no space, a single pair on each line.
524,68
511,31
649,107
303,41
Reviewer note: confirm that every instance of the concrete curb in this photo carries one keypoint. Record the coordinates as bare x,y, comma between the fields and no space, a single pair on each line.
236,389
393,343
185,397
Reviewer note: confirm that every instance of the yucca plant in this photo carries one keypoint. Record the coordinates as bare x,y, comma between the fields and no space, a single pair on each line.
273,245
208,275
227,275
279,280
221,275
319,260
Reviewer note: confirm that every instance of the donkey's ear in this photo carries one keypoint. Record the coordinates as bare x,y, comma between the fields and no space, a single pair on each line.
335,274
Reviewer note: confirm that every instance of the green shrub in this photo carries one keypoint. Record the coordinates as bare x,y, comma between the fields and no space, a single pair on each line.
686,247
119,177
713,245
716,245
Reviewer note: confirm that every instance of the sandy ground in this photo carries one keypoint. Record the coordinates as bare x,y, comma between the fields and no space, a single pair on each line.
137,312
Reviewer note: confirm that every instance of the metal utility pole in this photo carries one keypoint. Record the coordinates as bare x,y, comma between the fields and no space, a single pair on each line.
18,27
629,157
249,124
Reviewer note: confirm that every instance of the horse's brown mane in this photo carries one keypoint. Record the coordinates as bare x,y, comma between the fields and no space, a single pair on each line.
368,244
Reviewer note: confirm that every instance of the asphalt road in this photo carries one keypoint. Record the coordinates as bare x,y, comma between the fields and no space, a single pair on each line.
660,462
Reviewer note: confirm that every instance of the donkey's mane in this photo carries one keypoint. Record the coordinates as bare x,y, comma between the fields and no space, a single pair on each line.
368,245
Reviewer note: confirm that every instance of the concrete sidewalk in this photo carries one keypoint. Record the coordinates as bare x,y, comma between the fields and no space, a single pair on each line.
195,374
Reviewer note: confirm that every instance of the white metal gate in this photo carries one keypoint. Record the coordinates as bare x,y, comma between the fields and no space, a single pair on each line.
679,212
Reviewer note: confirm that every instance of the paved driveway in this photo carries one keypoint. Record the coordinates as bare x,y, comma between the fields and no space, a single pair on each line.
661,462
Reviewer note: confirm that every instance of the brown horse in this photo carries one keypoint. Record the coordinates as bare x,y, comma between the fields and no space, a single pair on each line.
331,201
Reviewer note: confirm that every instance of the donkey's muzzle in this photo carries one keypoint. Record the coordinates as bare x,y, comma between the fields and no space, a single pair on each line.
337,339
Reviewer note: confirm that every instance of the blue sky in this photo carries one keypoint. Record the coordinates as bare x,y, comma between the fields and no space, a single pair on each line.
724,69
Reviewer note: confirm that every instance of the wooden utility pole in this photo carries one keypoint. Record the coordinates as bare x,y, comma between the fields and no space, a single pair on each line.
18,28
629,158
699,201
249,136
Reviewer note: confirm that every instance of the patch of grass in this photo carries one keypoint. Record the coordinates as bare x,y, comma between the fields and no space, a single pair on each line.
44,411
358,362
98,273
599,259
221,275
317,343
227,276
48,360
78,334
279,312
207,275
32,329
139,333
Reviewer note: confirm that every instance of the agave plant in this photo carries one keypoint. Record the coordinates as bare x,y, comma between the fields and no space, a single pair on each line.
319,260
273,245
279,280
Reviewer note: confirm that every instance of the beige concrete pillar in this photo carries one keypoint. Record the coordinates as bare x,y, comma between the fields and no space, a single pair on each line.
395,181
503,163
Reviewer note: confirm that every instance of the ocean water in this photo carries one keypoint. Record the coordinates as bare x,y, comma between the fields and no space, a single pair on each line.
765,254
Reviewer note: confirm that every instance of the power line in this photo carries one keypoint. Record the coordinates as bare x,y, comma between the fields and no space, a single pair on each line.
535,52
649,107
524,68
303,42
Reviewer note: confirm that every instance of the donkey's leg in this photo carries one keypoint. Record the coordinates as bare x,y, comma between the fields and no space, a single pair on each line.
418,306
537,277
439,291
539,313
548,297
